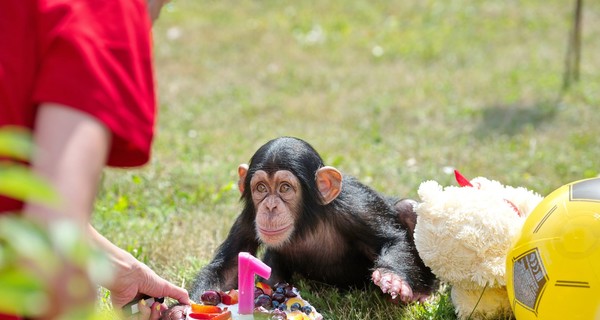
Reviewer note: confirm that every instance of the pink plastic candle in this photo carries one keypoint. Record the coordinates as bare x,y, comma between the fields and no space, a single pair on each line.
248,266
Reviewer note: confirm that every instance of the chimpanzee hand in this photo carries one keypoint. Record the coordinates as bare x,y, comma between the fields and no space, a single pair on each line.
397,287
174,313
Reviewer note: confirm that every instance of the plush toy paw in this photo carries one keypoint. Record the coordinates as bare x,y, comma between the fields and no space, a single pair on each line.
396,286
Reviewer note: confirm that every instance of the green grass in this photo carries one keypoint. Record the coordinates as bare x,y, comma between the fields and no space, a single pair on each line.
390,92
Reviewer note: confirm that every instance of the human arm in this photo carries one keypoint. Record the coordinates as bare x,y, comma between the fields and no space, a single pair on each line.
133,277
72,151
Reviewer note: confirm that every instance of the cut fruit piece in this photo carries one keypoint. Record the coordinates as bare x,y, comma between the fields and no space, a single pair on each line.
229,298
289,302
226,315
297,315
265,288
223,316
202,315
202,308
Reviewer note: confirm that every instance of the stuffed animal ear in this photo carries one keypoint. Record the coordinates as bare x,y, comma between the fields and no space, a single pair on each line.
242,171
429,190
329,183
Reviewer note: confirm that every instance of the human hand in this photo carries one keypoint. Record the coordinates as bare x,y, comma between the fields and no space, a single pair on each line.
136,278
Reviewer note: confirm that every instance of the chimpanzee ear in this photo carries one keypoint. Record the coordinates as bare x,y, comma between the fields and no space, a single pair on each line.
329,183
242,171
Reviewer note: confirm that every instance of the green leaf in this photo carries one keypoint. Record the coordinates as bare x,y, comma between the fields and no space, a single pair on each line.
29,256
21,293
20,183
15,143
27,241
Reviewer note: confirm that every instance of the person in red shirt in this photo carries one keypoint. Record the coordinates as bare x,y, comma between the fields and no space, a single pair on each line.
79,75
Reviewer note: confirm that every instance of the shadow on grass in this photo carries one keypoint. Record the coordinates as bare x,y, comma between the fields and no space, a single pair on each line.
513,119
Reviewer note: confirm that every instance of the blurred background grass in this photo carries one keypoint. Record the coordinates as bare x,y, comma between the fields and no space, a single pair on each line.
394,93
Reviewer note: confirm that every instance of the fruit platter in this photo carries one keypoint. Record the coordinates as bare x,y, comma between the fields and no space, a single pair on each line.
282,301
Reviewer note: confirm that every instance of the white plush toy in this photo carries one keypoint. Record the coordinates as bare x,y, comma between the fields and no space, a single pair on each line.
464,233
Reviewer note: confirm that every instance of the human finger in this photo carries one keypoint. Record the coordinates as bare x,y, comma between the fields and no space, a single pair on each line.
178,293
162,288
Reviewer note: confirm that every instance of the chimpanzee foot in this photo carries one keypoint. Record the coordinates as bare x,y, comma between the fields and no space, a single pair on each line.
174,313
395,285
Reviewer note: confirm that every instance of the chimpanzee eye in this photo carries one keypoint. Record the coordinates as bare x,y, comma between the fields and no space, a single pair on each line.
261,188
285,187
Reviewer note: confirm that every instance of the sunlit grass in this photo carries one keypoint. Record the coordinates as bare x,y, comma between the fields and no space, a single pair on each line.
390,92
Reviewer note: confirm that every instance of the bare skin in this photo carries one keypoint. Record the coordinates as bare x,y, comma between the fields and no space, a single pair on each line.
276,199
72,149
396,287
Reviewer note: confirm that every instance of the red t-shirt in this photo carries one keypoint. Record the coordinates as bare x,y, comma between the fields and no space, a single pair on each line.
94,56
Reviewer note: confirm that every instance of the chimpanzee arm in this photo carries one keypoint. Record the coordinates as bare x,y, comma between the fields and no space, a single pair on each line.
396,257
221,272
400,271
279,271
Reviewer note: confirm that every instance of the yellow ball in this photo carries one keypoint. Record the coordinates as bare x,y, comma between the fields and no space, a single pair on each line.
553,267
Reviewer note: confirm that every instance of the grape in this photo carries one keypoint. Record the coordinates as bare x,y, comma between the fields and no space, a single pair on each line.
295,306
211,297
306,309
279,297
281,285
264,301
257,292
280,290
291,292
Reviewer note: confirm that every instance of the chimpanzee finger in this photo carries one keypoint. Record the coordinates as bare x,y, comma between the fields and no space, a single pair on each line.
175,313
376,276
144,311
406,293
156,310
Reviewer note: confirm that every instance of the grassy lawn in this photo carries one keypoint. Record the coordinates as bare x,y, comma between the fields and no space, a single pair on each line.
394,93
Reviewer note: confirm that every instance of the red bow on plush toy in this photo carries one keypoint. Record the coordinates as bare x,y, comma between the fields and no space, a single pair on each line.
464,182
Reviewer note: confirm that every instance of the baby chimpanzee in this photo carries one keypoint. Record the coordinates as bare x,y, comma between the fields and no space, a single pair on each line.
317,223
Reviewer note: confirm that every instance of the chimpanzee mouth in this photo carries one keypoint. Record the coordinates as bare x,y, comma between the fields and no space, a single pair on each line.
274,232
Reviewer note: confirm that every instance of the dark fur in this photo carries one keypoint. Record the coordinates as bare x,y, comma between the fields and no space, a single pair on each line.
340,243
